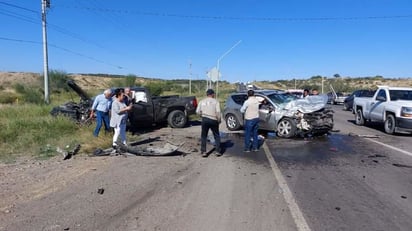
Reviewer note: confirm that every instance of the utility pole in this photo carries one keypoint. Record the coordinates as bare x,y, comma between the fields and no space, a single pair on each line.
45,4
190,77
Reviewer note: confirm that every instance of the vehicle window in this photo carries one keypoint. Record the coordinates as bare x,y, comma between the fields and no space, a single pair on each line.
239,99
281,98
367,93
400,95
382,93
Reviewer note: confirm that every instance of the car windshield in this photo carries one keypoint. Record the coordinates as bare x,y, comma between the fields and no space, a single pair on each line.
281,98
400,95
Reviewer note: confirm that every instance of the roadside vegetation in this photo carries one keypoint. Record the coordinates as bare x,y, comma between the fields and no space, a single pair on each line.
29,131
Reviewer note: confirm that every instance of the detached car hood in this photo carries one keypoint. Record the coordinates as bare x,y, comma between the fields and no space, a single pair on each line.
83,95
306,105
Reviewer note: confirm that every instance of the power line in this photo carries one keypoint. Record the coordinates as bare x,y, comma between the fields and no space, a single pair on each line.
64,49
51,26
20,7
235,18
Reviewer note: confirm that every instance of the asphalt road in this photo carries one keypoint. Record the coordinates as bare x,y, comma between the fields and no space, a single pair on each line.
347,182
336,182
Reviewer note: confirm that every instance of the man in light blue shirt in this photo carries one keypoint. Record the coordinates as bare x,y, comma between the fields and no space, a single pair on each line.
100,108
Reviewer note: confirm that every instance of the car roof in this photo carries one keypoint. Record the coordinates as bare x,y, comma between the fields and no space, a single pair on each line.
261,92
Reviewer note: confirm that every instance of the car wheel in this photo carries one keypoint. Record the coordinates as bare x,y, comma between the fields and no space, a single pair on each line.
232,123
359,119
177,119
390,124
286,128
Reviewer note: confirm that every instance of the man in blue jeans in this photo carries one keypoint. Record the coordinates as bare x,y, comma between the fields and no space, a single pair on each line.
100,108
209,110
251,110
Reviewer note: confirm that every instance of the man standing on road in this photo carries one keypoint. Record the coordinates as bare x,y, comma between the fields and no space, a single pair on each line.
251,110
209,110
100,108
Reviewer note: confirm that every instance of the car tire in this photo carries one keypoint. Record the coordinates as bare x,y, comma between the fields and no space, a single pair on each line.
286,128
359,119
232,123
177,119
390,124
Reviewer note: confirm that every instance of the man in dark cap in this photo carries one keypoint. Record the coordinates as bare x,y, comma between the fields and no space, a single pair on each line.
209,110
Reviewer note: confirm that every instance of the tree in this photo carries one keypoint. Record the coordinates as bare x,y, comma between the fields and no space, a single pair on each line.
336,75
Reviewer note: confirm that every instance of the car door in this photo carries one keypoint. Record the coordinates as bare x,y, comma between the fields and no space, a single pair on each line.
266,114
377,106
142,110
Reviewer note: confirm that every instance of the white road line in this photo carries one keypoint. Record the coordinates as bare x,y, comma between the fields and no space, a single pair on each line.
297,215
391,147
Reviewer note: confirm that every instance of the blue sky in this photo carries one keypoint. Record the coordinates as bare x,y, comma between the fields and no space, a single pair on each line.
181,38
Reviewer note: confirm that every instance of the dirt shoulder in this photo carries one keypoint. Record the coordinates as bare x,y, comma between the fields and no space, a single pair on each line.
31,179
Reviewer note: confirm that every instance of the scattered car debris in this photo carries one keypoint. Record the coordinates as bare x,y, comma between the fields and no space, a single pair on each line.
402,165
337,208
100,190
167,149
143,148
365,136
68,154
376,155
404,197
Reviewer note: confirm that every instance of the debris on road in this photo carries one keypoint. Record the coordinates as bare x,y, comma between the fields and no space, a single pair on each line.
333,149
68,154
146,147
403,197
376,155
402,165
100,190
365,136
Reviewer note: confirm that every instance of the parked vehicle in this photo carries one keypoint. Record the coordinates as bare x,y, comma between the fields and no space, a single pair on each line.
146,109
283,113
348,102
391,106
335,97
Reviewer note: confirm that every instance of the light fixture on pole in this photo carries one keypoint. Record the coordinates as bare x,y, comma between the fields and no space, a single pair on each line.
218,62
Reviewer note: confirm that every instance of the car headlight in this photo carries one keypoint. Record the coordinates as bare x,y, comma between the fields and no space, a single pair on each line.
406,111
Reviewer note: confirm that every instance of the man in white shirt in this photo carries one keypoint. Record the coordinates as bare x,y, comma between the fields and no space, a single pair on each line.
250,108
209,110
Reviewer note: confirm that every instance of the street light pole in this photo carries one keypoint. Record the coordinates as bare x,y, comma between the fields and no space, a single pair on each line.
218,63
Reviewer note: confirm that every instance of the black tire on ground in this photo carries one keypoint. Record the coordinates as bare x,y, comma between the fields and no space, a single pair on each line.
232,123
286,128
390,124
177,119
359,119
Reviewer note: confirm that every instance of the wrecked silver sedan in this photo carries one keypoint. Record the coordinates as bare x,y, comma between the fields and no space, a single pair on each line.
283,113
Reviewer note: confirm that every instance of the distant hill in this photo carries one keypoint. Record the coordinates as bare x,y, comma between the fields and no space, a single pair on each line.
101,81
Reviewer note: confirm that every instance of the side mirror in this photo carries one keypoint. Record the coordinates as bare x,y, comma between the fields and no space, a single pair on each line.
381,98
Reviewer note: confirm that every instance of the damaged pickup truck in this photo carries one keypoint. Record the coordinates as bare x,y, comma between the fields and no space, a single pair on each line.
283,113
146,109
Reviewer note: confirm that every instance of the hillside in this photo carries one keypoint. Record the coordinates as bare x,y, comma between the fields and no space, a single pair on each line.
345,84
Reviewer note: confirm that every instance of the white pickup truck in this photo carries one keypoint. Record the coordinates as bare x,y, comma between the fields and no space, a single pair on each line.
390,105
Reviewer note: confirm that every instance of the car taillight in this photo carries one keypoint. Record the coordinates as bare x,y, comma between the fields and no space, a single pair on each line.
194,103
